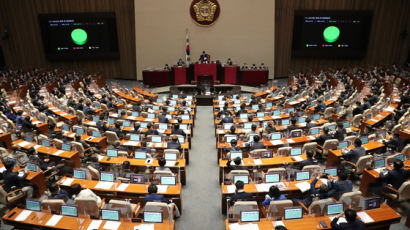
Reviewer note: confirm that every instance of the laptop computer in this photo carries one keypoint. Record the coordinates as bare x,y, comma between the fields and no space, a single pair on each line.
334,209
293,213
300,176
69,210
79,174
272,178
152,217
250,216
107,176
110,214
243,178
168,180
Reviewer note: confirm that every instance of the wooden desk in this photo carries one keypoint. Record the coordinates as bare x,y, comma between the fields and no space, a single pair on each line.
146,93
126,96
51,152
141,164
381,116
100,141
66,117
135,192
6,138
266,92
405,134
39,220
383,217
333,156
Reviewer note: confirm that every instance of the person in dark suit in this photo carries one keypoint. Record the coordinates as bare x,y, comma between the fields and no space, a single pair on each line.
354,154
177,131
340,132
162,118
152,195
241,110
293,125
180,62
174,143
396,141
352,222
143,148
325,136
237,164
234,146
227,119
232,130
240,194
151,130
12,180
366,104
320,106
321,193
309,160
79,105
58,193
256,144
87,109
397,176
309,123
117,129
337,188
358,109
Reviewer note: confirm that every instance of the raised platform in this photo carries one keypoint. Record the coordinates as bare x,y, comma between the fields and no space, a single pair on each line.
190,89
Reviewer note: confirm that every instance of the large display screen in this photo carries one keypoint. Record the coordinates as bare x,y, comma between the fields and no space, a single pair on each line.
331,33
79,36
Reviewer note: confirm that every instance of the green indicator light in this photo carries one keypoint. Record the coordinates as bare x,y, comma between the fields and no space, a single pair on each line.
331,34
79,36
307,45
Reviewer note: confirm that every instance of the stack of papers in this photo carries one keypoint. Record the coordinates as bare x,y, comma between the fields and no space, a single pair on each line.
131,117
122,187
54,220
265,187
237,226
58,152
231,188
278,223
290,141
162,188
23,143
170,163
257,161
389,109
23,215
303,186
324,181
131,143
37,146
365,217
298,158
144,227
95,224
91,123
276,142
104,185
2,169
340,220
311,137
112,225
67,181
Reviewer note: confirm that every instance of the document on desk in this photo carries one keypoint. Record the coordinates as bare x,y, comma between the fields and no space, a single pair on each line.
340,220
276,117
257,161
104,185
231,188
100,157
2,169
58,152
278,223
374,120
170,163
276,142
36,122
349,130
389,109
91,123
311,138
67,181
298,158
95,224
112,225
130,117
72,135
144,227
149,120
23,215
122,187
365,217
324,181
303,186
54,220
265,187
290,141
23,143
237,226
162,188
37,146
131,143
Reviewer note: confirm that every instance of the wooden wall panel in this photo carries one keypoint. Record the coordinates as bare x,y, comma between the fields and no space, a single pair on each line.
25,49
386,45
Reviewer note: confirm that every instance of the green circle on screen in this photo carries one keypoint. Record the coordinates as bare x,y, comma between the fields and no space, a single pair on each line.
331,34
79,36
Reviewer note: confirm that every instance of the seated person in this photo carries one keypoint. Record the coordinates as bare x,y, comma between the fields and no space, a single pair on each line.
293,125
162,118
137,128
352,221
315,194
252,131
354,154
144,148
125,171
237,165
117,129
177,131
180,62
234,146
256,144
232,130
84,193
240,194
152,195
322,138
119,147
151,130
397,176
162,162
57,193
320,106
342,185
16,180
174,143
340,132
270,128
273,194
227,119
85,145
395,141
87,109
309,161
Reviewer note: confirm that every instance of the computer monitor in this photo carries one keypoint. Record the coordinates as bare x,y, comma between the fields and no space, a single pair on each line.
343,144
126,123
400,157
120,110
79,131
174,96
334,209
189,97
293,213
45,143
296,133
276,112
96,119
144,125
285,122
243,116
183,126
137,179
331,171
372,203
243,178
152,217
250,216
169,116
314,131
364,140
230,138
140,155
66,127
276,136
313,104
346,124
181,140
155,107
301,119
112,153
135,114
151,115
291,99
272,178
185,117
254,107
66,147
159,100
227,126
134,137
171,156
291,110
315,117
107,176
260,114
69,210
110,214
79,174
33,205
156,139
162,126
305,175
251,137
296,151
96,133
236,154
31,166
168,180
111,121
29,138
247,125
267,154
339,109
379,163
331,127
268,105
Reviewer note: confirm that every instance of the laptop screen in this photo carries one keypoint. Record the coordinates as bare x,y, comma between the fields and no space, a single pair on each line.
137,179
243,116
364,140
68,210
371,203
169,116
346,125
134,137
33,205
29,138
111,121
31,166
135,114
399,157
254,107
106,176
272,178
226,126
153,217
156,139
243,178
96,134
314,131
247,125
79,131
143,125
334,209
296,151
112,153
168,180
296,133
301,119
126,123
276,136
230,138
250,216
268,105
331,171
285,122
155,107
293,213
260,114
185,117
343,144
170,156
291,110
302,176
66,127
162,126
276,112
379,163
151,115
79,174
109,214
267,154
45,143
66,147
140,155
331,127
96,119
315,117
183,126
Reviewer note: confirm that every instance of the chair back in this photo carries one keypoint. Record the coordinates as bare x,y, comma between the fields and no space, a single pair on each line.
256,153
87,206
318,206
238,173
111,137
53,205
350,139
125,207
404,191
240,206
159,173
78,147
281,171
314,170
295,131
158,207
396,128
363,163
330,144
276,208
95,174
309,146
352,199
357,120
284,151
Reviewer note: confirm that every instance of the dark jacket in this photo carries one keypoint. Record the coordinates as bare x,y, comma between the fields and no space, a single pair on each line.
240,196
153,197
61,194
178,132
163,119
354,154
395,177
12,179
173,145
307,162
356,225
340,134
337,188
322,138
256,145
